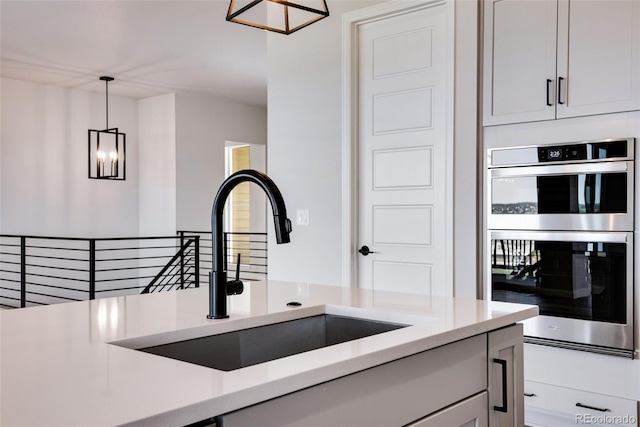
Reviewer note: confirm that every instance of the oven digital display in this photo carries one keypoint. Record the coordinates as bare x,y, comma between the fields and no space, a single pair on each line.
554,153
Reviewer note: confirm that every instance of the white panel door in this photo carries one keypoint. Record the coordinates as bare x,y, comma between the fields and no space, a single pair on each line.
598,57
402,159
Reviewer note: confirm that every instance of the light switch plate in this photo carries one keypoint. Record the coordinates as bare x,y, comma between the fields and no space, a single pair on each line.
302,217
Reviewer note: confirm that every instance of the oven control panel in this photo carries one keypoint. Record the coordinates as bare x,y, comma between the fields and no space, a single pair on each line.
562,153
579,152
584,151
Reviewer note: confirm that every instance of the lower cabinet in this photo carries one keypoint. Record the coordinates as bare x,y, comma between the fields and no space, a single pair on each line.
458,384
471,412
506,377
551,405
568,388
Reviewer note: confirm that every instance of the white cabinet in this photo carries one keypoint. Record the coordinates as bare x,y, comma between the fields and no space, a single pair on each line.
506,376
396,393
519,60
453,385
547,59
546,403
471,412
568,387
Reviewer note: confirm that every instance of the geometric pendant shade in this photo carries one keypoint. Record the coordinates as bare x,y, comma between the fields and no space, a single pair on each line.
280,16
106,150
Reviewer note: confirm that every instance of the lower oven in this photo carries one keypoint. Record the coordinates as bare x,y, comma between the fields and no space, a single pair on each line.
582,283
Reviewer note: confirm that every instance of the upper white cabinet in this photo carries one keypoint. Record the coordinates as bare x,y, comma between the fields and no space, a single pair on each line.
547,59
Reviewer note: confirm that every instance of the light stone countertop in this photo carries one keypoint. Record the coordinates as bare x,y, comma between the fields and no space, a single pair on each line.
58,366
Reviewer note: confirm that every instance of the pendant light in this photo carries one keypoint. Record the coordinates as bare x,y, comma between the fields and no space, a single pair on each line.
107,148
280,16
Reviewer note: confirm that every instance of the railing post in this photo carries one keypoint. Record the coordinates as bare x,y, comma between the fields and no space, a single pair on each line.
197,261
23,271
181,261
92,269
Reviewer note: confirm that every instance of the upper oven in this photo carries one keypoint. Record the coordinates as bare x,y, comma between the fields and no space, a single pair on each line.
574,186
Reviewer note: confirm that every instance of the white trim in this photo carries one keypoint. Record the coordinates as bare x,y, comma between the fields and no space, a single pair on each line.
350,23
449,272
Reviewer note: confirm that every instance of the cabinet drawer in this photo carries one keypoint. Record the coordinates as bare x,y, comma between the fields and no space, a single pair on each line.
580,406
469,412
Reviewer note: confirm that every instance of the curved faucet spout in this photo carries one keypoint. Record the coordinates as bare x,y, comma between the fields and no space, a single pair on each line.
218,276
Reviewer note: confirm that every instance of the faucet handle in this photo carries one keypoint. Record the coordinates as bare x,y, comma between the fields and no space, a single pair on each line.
235,287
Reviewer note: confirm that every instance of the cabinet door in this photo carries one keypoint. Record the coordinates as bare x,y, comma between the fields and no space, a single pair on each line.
519,61
471,412
506,377
598,57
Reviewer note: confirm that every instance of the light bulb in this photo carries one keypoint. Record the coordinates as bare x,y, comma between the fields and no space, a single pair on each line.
101,155
113,155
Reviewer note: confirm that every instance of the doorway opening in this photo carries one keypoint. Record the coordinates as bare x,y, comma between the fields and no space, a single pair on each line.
246,213
238,208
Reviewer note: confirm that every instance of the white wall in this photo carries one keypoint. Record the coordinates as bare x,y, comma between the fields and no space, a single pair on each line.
157,142
467,180
1,158
203,124
305,146
259,203
175,160
44,184
304,149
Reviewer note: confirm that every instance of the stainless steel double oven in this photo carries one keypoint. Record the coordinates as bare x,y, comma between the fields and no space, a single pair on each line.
561,220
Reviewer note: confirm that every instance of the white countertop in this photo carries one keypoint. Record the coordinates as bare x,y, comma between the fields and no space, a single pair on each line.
57,366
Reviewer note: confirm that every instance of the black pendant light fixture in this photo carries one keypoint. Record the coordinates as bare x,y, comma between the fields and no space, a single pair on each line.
280,16
107,148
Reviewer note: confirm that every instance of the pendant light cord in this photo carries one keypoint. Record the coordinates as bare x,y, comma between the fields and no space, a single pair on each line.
106,83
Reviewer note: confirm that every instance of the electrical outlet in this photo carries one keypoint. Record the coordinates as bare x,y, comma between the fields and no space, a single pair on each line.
302,217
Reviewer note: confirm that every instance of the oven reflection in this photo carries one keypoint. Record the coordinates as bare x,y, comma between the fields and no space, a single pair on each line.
574,279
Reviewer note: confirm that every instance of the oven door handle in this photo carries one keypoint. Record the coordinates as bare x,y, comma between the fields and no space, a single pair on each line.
560,236
584,168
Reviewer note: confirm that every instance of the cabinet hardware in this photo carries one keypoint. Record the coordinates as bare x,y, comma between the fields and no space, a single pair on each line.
549,81
503,364
529,395
560,80
592,407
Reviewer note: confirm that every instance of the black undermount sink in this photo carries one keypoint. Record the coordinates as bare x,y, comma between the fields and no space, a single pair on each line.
246,347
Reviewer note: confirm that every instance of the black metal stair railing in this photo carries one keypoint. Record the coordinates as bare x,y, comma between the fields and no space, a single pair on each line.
40,270
251,246
181,272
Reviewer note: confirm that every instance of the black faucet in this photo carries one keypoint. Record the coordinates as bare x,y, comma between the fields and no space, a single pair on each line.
219,288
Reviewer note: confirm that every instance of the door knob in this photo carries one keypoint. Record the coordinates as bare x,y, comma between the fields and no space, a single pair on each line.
365,250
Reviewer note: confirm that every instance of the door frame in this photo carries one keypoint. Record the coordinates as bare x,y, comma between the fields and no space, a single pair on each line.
351,22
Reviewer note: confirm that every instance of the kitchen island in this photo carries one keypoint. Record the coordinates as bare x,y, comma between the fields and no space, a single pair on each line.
77,363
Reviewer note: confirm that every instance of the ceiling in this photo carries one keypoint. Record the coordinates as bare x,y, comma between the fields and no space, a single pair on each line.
151,47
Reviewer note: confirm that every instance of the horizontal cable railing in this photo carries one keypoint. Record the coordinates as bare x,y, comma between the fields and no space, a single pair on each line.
251,246
40,270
